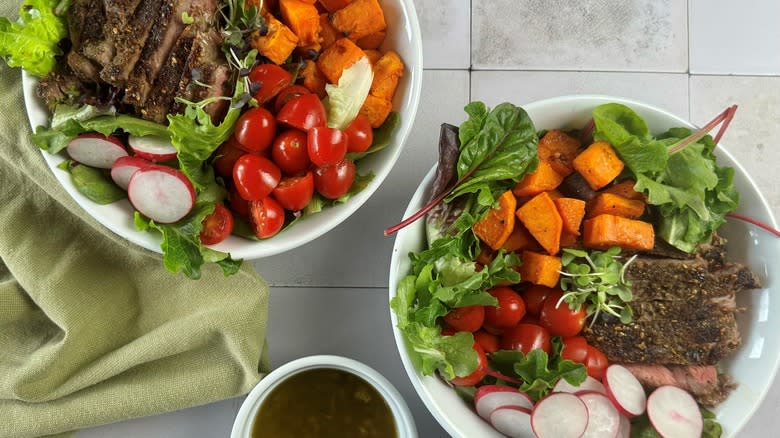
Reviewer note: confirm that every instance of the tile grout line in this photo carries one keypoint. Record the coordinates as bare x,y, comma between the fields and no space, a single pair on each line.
688,28
471,37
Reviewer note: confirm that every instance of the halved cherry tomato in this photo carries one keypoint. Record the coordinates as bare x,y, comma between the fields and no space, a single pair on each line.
255,177
334,181
290,151
295,192
271,78
488,341
530,319
534,298
448,331
255,130
466,319
239,205
288,93
266,216
561,320
478,374
360,134
217,226
303,112
509,311
596,362
575,349
226,156
525,337
326,146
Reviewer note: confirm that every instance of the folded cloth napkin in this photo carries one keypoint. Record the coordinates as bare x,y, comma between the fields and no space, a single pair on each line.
92,328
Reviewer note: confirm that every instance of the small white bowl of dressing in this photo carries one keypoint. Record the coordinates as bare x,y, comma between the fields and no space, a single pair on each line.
324,396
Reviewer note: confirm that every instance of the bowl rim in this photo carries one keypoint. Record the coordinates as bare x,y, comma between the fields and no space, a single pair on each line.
244,420
397,258
238,247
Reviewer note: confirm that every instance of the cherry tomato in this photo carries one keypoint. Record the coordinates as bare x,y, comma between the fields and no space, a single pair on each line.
509,311
271,78
478,374
334,181
530,319
295,192
288,93
466,319
575,349
596,362
526,337
303,112
448,331
326,146
360,134
255,130
255,177
290,151
488,341
239,205
560,320
226,156
534,298
217,226
266,216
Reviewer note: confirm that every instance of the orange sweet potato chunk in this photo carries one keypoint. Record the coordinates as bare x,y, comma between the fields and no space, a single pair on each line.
494,229
359,19
599,164
328,33
626,190
520,239
303,20
607,203
559,149
571,211
277,44
334,5
372,41
313,79
373,56
339,56
387,71
376,109
541,218
606,230
543,179
540,269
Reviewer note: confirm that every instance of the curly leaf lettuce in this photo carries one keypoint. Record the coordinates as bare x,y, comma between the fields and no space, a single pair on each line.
31,42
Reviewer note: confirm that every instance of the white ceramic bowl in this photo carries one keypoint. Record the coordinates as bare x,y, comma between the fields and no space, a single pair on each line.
403,36
753,366
404,422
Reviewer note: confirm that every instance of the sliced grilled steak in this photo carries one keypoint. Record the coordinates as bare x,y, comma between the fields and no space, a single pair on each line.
163,35
60,86
167,84
706,385
87,22
129,41
84,68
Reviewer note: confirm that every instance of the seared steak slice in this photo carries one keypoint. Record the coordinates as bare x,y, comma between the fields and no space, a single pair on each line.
59,86
89,34
167,84
163,35
83,67
706,385
129,41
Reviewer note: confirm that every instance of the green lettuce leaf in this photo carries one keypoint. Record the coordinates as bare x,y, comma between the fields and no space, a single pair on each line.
540,375
32,41
346,98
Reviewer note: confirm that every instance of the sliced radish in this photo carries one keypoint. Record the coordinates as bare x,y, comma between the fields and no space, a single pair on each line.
674,413
559,415
489,397
125,167
589,384
603,417
625,391
96,150
512,421
625,428
161,193
152,148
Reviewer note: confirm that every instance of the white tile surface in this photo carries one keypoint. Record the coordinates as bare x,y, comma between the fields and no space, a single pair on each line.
446,33
754,133
735,37
303,321
356,253
629,35
668,91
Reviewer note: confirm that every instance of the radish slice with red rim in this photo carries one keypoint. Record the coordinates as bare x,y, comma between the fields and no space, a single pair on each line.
489,397
625,428
161,193
589,384
96,150
559,415
674,413
512,421
625,391
124,168
152,148
603,417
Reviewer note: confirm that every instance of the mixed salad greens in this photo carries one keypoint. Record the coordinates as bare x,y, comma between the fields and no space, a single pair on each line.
688,196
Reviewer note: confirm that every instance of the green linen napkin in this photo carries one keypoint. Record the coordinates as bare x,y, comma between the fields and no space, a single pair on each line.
92,328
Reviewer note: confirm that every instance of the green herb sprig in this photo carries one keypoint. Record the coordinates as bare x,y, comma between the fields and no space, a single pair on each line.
597,280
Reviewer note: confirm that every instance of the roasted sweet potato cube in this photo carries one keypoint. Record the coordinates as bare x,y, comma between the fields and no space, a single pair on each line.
540,269
339,56
543,179
387,71
302,18
607,203
625,189
373,56
334,5
571,211
599,164
376,109
328,33
372,41
277,44
606,230
313,79
541,218
559,149
520,239
359,19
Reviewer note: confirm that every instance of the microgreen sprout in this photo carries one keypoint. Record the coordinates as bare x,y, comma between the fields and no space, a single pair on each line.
597,281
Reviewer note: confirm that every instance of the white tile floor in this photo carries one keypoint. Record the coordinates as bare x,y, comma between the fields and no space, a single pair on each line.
637,49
